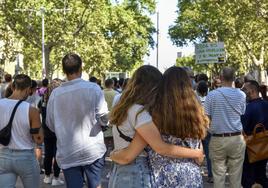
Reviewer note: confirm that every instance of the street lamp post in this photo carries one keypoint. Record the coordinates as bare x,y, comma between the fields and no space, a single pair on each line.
44,73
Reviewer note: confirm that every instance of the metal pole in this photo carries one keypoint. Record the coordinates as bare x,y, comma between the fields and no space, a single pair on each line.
157,41
43,43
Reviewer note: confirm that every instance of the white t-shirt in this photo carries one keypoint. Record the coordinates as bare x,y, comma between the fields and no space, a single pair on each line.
74,112
130,125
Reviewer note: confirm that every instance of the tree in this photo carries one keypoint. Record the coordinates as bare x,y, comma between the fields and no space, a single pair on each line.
108,36
242,25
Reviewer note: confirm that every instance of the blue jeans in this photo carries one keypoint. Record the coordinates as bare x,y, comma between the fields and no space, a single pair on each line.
205,143
22,163
74,176
134,175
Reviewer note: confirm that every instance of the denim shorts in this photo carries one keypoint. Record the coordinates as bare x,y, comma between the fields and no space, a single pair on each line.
22,163
134,175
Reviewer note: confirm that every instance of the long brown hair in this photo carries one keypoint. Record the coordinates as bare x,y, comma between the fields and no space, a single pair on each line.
141,89
177,111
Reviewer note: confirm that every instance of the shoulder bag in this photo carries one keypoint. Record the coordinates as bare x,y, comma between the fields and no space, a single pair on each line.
5,133
257,147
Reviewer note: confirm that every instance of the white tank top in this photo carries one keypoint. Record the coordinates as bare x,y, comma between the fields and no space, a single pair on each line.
21,138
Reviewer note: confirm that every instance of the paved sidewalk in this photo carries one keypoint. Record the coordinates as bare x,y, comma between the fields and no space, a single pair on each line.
105,180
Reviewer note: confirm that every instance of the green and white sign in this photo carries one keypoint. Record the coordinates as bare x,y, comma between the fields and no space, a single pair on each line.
210,53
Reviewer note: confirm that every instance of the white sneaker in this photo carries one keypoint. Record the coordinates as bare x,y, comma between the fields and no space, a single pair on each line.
47,179
57,181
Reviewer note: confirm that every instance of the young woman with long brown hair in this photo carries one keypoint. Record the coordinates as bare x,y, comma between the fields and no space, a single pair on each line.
132,115
181,121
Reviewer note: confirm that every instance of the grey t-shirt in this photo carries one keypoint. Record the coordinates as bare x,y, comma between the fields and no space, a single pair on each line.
129,126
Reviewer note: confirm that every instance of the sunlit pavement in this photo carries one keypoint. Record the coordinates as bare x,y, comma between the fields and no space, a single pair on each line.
105,179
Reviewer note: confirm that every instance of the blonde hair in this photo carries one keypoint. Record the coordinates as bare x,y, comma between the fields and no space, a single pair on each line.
141,89
177,111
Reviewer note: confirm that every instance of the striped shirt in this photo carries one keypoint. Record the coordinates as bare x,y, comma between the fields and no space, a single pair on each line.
225,106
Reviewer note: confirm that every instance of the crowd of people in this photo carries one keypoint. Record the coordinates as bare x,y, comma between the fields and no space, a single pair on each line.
155,128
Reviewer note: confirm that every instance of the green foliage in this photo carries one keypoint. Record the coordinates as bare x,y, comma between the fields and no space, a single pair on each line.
108,36
242,25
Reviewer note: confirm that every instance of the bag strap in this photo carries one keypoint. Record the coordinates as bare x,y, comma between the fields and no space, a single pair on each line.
13,112
259,125
228,102
126,138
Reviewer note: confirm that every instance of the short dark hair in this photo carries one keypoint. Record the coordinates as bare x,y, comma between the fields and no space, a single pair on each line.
202,88
8,78
115,81
22,81
108,83
228,74
45,82
71,63
254,85
201,77
239,82
34,84
121,82
93,79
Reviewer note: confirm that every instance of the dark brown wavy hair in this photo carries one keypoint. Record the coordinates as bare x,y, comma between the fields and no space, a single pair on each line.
141,89
177,111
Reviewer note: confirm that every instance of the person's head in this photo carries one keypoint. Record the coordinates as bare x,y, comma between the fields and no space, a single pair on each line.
99,83
251,89
141,89
239,82
121,82
9,90
177,110
93,79
190,73
45,82
202,88
22,85
8,78
115,82
33,87
202,77
72,64
227,75
216,83
109,83
54,84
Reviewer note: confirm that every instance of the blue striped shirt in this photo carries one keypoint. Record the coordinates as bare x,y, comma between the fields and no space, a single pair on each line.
225,106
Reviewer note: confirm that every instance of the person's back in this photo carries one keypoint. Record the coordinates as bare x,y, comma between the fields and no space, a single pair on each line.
172,120
109,93
170,172
76,119
18,157
75,112
20,134
256,112
226,105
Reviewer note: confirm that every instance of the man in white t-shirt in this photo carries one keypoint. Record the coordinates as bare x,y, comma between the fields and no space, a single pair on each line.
75,112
